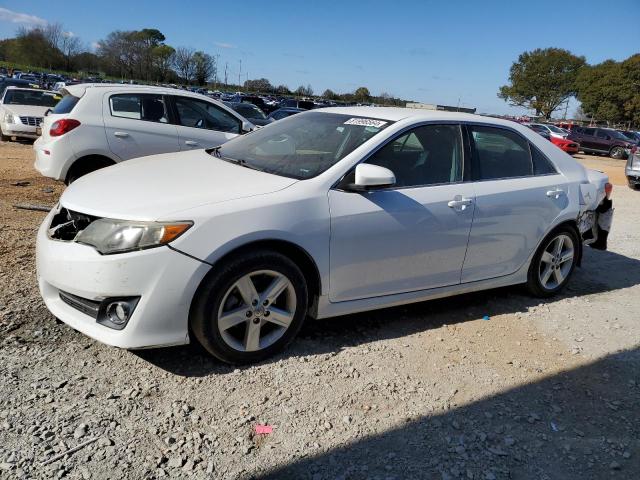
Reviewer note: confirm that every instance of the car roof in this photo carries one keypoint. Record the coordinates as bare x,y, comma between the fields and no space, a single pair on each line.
395,114
79,89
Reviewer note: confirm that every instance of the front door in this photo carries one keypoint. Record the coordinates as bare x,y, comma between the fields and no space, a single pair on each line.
518,195
138,124
412,236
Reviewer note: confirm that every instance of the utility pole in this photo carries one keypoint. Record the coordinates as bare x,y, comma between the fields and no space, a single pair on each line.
566,107
215,77
226,65
239,72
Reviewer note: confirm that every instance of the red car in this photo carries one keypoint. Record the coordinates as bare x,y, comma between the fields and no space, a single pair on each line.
568,146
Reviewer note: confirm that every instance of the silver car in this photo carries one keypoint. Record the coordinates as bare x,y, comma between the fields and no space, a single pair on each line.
632,169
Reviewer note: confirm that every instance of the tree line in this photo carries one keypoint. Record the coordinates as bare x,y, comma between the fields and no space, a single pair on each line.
144,55
544,79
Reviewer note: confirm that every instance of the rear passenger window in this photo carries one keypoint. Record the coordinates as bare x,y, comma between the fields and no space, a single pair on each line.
589,131
150,108
541,164
499,153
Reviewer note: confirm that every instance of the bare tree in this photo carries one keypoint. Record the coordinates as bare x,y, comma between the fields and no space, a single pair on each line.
204,65
70,46
184,63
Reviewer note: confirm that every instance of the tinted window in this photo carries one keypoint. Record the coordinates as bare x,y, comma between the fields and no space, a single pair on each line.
499,153
541,164
249,110
589,131
66,104
35,98
602,134
150,108
426,155
200,114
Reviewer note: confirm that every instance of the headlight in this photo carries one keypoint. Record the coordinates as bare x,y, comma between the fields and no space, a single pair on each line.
117,236
8,118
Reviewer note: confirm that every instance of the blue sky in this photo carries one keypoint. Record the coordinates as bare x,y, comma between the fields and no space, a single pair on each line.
430,51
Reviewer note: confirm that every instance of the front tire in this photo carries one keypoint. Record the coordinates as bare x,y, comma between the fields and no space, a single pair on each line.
251,307
617,153
554,262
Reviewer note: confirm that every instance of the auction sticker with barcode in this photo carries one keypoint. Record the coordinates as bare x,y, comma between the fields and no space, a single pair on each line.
365,122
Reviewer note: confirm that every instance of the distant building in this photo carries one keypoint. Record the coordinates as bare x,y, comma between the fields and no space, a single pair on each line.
446,108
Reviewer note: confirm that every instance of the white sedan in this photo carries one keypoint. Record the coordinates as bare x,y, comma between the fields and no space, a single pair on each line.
325,213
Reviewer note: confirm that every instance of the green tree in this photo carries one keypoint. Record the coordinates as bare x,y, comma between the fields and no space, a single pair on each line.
542,80
330,94
162,60
610,91
203,67
362,95
259,85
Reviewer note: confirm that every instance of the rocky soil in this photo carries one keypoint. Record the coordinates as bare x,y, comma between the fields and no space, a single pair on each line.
493,385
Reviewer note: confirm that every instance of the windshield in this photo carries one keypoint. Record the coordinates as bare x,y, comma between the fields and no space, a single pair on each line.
34,98
620,136
555,129
249,110
302,146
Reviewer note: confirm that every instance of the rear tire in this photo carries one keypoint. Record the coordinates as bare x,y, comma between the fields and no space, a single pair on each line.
250,307
554,262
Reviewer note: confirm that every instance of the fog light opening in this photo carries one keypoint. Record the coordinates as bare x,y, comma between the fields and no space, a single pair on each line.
118,312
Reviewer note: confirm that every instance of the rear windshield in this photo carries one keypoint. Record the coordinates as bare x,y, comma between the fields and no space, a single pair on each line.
66,104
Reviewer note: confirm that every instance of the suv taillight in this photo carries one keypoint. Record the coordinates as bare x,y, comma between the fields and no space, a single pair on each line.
62,126
608,188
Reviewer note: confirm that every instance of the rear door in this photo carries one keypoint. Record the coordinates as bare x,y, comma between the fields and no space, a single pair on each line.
518,194
137,124
203,124
588,139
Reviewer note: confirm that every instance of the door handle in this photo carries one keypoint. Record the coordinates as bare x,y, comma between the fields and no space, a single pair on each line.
191,143
555,193
460,202
121,134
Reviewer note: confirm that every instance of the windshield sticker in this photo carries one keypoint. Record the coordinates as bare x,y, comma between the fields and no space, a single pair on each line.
365,122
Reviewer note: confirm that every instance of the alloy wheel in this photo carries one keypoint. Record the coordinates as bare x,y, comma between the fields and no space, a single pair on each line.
556,262
256,310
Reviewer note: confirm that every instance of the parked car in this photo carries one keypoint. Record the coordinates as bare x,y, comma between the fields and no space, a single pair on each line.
551,129
250,112
602,140
22,111
97,125
631,135
325,213
632,169
285,112
13,82
566,145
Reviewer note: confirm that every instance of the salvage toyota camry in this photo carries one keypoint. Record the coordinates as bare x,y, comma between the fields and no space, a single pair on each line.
325,213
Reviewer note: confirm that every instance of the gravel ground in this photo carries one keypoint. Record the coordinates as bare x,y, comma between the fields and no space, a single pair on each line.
540,390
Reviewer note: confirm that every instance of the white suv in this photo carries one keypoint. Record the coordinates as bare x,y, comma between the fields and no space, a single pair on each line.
97,125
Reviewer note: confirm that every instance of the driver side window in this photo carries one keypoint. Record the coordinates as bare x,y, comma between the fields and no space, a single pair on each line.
200,114
427,155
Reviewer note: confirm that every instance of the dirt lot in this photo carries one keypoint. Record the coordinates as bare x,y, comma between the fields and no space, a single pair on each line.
540,390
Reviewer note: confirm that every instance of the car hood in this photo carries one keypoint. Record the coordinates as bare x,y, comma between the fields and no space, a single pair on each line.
25,110
158,186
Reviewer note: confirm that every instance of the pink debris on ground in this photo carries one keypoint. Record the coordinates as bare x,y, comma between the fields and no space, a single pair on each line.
264,429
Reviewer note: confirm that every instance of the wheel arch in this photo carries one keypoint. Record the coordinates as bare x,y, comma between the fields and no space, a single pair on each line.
573,224
294,252
86,161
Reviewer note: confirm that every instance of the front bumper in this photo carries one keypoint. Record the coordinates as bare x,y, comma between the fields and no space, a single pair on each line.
19,130
165,281
633,177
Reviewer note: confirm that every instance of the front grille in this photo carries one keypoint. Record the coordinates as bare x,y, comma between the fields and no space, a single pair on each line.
88,307
66,224
31,121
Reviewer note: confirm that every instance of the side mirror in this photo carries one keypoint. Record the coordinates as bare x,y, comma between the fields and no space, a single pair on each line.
247,127
369,177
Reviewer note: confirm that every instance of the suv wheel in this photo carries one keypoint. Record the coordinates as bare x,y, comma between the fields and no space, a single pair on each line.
553,263
250,308
617,153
